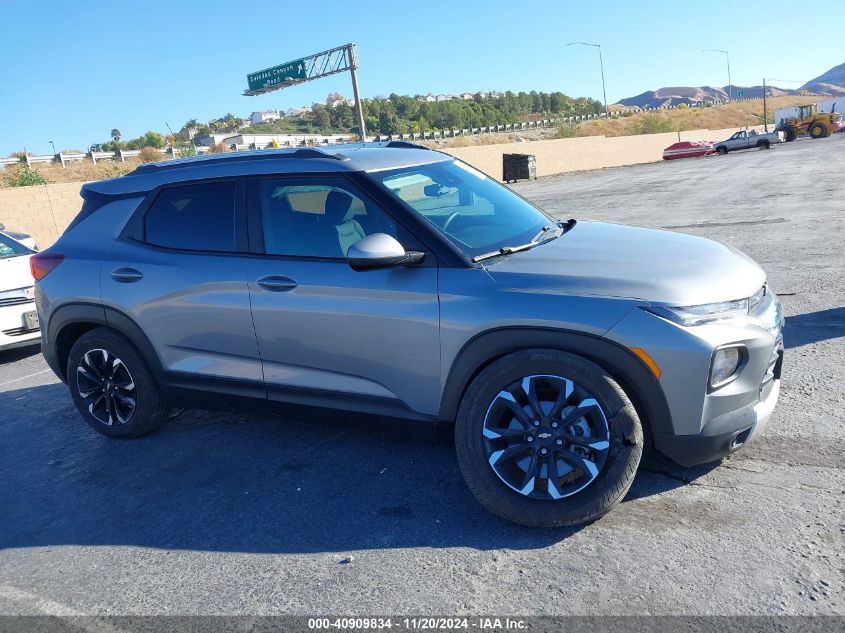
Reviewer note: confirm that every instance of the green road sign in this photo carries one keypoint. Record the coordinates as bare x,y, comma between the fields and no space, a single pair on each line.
742,93
276,75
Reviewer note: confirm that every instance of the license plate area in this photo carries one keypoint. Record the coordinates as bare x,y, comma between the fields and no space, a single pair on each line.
30,320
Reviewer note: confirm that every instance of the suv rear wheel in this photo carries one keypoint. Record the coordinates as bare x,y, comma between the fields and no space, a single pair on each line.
546,438
112,387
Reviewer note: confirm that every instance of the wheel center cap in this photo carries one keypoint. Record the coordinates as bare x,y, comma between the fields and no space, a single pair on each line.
544,435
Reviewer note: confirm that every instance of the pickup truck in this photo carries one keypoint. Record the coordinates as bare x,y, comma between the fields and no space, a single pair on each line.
746,139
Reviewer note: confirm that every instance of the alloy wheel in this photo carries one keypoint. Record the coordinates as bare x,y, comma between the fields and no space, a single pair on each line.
106,386
546,437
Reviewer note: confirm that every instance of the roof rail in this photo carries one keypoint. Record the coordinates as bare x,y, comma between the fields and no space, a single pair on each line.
301,153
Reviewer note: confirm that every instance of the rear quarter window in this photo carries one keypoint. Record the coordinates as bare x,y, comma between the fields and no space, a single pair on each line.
197,217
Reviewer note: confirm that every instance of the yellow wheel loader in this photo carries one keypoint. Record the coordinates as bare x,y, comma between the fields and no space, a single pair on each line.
809,121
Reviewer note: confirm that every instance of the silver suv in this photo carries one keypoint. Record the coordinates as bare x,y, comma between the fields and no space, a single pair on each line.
390,280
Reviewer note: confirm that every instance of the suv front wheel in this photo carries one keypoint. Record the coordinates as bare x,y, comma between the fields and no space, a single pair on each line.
112,387
546,438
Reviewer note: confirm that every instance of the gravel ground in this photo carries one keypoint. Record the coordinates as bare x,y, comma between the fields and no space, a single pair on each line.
236,514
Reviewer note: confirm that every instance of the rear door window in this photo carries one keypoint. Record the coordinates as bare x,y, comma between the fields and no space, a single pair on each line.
196,217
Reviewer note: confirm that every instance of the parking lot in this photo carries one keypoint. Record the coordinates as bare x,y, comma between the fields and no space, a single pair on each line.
220,513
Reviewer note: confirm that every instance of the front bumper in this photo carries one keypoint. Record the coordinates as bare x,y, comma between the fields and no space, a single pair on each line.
714,442
706,424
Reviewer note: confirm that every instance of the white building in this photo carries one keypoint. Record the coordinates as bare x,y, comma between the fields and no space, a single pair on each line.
295,113
264,117
335,99
207,140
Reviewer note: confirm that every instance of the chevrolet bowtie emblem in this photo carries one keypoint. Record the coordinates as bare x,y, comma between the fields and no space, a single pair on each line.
544,436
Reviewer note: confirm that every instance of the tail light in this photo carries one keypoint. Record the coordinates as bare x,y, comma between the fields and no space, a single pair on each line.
42,263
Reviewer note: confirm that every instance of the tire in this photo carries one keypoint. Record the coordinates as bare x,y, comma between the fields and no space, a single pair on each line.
722,150
817,130
613,447
790,134
764,145
112,387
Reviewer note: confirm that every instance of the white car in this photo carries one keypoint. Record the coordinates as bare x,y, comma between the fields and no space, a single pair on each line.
23,238
18,318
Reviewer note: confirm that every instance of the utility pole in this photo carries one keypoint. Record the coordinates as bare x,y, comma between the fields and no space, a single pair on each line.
601,65
765,110
728,60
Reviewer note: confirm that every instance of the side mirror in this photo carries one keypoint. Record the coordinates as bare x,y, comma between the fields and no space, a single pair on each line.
380,250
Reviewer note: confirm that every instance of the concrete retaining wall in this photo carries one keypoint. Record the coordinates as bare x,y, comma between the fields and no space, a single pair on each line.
558,156
45,210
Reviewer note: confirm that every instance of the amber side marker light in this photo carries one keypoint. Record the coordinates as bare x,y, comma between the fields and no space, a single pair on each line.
42,263
648,360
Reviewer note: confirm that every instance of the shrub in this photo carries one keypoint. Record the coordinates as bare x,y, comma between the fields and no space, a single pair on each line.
22,176
185,149
567,130
654,123
218,148
149,155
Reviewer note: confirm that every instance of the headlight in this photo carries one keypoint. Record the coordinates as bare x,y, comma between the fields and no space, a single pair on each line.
726,361
763,306
705,313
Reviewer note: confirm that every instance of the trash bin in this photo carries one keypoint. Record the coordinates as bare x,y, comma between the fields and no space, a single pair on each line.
518,167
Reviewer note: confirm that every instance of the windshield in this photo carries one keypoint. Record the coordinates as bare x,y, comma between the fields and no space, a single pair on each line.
475,212
11,248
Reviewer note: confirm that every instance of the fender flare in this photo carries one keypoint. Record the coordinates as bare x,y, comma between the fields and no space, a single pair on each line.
626,368
95,315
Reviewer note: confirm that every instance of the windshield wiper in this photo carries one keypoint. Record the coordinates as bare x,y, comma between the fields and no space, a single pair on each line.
505,250
565,227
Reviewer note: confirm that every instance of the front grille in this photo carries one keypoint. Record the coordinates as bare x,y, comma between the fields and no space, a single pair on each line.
15,301
19,331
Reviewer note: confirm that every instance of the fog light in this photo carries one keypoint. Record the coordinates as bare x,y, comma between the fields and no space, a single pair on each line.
725,363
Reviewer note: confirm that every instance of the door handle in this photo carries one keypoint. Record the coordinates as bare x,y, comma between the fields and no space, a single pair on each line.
126,275
277,283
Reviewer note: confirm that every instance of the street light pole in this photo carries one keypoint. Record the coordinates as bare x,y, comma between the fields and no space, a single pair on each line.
728,60
54,148
601,65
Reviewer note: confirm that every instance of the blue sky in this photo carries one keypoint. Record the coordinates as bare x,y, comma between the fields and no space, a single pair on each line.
81,68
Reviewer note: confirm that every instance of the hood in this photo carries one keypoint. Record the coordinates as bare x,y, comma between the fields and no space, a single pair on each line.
15,273
612,260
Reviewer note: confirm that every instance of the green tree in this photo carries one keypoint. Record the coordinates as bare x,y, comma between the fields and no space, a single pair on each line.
322,119
387,122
